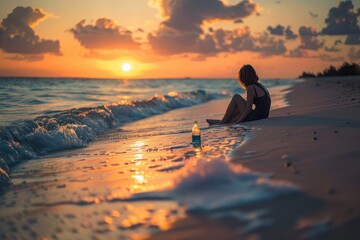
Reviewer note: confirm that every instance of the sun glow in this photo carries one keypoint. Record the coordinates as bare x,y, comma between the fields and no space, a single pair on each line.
116,68
126,67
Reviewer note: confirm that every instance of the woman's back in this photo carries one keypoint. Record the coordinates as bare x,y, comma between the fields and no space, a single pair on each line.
262,101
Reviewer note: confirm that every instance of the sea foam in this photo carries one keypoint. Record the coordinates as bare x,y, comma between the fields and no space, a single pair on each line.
210,185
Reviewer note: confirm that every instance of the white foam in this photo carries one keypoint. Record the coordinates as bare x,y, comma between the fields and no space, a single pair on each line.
208,185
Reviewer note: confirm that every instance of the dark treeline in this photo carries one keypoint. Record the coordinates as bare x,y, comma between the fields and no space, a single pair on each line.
346,69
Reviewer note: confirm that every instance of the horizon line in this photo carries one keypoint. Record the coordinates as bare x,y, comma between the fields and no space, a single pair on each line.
130,79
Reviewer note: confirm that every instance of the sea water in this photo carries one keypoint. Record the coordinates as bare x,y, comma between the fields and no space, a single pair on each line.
27,98
42,115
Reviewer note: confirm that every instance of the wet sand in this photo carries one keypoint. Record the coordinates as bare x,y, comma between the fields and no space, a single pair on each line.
311,144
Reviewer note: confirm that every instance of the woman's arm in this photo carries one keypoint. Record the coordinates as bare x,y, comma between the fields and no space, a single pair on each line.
249,102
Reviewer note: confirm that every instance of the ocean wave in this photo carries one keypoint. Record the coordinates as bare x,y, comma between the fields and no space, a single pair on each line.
33,101
77,127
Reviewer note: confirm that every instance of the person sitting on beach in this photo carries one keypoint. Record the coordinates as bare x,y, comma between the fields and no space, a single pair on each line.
239,109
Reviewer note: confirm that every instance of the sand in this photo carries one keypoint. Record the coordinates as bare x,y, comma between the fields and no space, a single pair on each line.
311,145
314,143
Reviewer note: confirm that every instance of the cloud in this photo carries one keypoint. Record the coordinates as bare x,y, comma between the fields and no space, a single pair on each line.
329,58
289,34
29,58
354,54
298,53
171,43
280,30
182,29
309,40
352,39
238,21
241,39
302,53
268,46
334,48
342,20
313,15
18,37
103,34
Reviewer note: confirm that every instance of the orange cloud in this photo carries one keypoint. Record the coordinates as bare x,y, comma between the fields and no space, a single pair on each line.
309,40
18,37
103,34
181,31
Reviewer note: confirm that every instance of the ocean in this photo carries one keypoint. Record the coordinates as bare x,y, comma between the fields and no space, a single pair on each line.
41,115
113,158
28,98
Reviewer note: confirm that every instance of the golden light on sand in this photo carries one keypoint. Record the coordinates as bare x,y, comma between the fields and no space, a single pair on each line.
139,178
126,67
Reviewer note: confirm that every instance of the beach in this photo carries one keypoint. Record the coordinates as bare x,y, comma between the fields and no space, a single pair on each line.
294,175
313,143
117,120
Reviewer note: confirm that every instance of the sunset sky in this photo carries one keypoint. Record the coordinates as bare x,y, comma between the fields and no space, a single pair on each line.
175,38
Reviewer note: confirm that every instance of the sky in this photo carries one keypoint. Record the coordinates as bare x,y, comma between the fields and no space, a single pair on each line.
176,38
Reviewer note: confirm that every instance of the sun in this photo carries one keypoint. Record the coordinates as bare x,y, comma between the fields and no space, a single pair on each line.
126,67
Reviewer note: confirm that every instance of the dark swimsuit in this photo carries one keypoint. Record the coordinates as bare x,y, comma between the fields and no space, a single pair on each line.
262,106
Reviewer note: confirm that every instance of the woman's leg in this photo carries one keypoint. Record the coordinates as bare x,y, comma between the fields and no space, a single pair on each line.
236,106
213,121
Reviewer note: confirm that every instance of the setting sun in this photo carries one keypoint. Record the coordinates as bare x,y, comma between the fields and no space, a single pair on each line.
126,67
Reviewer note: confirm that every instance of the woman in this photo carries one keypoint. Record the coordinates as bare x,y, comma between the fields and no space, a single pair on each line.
239,109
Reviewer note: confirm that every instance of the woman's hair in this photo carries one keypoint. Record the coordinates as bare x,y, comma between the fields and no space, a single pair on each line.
247,76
